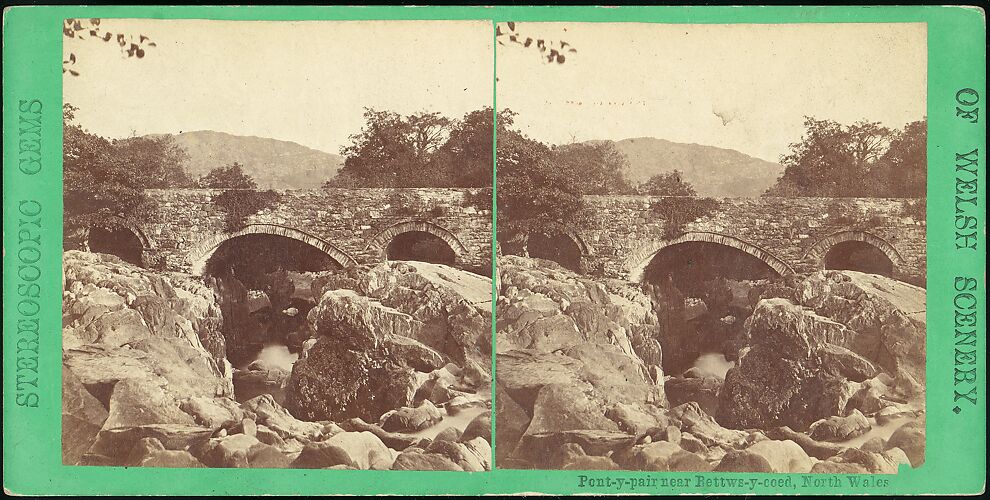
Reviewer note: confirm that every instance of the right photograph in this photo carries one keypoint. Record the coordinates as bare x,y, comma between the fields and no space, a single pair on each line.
711,247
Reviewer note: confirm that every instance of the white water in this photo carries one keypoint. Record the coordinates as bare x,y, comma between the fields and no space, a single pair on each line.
882,431
713,364
278,356
460,421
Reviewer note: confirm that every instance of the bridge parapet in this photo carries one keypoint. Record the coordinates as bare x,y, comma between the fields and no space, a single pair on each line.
186,225
625,232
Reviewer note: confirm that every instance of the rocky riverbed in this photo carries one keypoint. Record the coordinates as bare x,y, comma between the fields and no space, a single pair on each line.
822,373
391,373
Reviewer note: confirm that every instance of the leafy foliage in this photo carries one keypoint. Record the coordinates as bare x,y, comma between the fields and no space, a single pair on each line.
551,51
847,216
419,150
916,209
667,184
229,177
103,176
239,204
864,159
678,211
480,199
535,191
598,168
90,29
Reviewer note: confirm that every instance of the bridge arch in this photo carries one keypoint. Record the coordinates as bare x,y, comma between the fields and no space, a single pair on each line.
566,248
637,262
381,241
817,254
202,251
118,236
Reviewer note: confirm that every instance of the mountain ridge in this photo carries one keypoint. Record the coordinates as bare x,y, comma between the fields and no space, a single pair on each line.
273,163
713,171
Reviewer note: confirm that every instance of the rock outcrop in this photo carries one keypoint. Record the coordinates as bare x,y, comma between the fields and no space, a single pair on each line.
146,381
381,342
580,386
141,345
569,366
813,344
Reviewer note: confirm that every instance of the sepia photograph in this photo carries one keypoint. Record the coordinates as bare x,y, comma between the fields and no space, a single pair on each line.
277,244
711,247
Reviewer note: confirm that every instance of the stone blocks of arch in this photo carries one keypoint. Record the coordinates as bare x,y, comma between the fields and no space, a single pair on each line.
382,239
816,253
202,251
119,222
637,262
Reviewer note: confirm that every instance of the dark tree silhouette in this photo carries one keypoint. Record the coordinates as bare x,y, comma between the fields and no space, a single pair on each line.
103,174
864,159
229,177
598,167
667,184
419,150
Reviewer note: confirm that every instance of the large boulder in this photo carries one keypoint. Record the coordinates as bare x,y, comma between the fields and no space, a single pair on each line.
412,419
838,428
887,315
141,344
82,418
358,450
780,378
910,438
783,456
379,343
276,418
454,306
570,370
812,340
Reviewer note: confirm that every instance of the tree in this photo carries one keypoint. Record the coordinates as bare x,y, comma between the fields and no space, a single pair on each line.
535,193
394,151
597,168
904,166
667,184
466,158
419,150
103,175
228,177
835,160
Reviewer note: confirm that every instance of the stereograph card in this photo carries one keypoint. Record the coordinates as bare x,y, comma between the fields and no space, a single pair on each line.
494,250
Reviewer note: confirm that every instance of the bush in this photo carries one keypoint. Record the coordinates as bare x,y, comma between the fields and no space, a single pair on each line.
480,199
239,204
915,209
676,212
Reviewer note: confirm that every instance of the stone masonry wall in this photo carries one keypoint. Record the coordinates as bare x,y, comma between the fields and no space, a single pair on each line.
625,232
187,222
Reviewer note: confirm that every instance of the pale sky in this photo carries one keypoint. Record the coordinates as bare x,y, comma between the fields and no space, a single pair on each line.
305,82
632,80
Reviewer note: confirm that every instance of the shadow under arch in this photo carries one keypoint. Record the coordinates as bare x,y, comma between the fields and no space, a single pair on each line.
118,236
637,263
566,248
817,252
200,254
381,240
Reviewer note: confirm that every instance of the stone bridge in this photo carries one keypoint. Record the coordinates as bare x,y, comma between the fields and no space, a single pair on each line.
352,226
623,236
790,235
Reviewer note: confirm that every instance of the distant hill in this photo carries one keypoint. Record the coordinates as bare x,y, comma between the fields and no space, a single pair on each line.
712,171
273,163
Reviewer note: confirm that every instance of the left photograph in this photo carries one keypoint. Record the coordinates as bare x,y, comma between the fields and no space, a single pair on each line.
277,244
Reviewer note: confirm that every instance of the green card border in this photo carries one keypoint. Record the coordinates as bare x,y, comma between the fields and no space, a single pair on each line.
955,459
